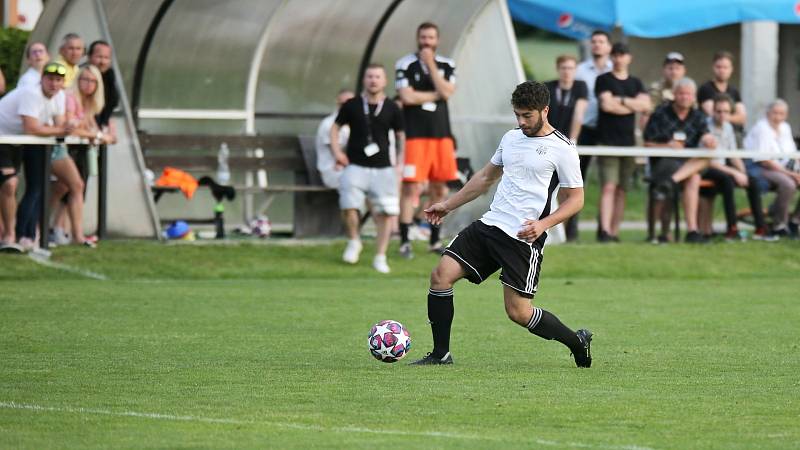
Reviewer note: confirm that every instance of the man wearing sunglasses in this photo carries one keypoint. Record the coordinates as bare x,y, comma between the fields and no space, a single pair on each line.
34,110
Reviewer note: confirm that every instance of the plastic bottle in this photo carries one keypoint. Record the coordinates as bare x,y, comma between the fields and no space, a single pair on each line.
223,172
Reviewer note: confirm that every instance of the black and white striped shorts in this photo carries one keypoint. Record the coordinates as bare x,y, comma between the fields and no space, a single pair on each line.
482,249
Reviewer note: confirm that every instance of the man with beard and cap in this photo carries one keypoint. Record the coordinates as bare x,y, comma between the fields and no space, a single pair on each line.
530,162
424,82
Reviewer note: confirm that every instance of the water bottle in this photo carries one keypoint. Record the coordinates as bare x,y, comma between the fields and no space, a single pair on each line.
223,172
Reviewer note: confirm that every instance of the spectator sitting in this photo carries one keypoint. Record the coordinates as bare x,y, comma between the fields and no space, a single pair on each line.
84,100
36,56
773,134
621,96
36,110
326,164
679,124
69,55
727,176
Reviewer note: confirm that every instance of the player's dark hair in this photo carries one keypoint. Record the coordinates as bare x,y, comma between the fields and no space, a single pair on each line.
530,95
601,33
95,44
722,54
722,97
427,25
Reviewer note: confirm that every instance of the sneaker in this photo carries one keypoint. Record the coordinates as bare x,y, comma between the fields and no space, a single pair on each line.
693,237
379,264
733,235
405,251
604,237
88,244
11,248
794,230
27,244
430,360
59,237
761,234
584,357
352,251
437,248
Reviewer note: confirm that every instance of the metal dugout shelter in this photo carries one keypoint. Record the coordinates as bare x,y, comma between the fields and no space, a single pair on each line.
274,67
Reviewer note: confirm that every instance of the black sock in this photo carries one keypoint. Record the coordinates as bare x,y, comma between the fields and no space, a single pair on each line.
404,232
440,315
434,234
547,326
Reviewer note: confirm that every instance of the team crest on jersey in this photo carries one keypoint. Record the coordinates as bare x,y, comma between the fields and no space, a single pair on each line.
542,150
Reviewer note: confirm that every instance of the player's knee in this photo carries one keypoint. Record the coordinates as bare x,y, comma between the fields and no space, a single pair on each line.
520,316
440,279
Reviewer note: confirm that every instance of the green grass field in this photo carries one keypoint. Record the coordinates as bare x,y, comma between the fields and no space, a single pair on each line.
264,346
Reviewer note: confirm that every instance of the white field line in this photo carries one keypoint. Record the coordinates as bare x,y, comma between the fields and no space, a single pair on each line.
45,261
296,426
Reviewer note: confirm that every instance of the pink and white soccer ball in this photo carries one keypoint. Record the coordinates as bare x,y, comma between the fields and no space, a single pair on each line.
261,227
389,341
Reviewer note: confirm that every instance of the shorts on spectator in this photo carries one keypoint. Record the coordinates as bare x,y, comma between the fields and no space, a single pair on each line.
430,159
10,161
331,178
617,170
59,152
379,184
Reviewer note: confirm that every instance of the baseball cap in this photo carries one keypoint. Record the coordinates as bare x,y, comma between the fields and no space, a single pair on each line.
673,57
620,49
54,68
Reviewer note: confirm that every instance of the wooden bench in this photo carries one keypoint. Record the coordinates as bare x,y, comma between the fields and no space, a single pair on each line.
316,207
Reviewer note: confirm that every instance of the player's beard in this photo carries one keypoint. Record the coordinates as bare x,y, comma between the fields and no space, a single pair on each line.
531,132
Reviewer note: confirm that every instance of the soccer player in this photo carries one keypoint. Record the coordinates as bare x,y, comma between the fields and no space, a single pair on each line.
530,162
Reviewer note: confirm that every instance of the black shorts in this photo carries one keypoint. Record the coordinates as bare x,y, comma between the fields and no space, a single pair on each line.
10,158
482,249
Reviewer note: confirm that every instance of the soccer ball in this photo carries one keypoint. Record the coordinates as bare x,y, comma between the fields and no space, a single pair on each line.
261,227
389,341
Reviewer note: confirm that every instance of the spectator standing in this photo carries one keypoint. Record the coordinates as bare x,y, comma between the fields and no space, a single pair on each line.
722,66
672,70
621,96
100,56
84,100
367,164
568,102
37,110
588,71
679,124
424,82
773,134
36,56
69,55
326,163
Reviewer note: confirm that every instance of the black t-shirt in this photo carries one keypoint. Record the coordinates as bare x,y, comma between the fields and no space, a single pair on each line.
562,104
613,129
709,90
388,118
111,98
421,122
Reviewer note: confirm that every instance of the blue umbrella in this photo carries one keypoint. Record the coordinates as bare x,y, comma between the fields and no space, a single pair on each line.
651,19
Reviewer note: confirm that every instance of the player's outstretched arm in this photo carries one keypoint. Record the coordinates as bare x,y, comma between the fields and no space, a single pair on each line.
475,187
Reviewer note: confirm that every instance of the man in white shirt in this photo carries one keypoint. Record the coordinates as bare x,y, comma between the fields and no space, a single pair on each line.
531,162
326,164
773,134
37,110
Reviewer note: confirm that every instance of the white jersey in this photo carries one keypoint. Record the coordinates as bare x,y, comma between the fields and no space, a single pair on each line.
532,168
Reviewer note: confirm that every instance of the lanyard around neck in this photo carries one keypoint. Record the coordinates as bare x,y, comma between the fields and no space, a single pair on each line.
368,116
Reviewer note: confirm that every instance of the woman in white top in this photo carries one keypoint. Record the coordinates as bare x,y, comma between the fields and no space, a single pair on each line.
36,56
773,134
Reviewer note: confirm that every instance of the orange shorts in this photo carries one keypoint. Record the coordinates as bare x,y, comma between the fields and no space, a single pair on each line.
430,159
